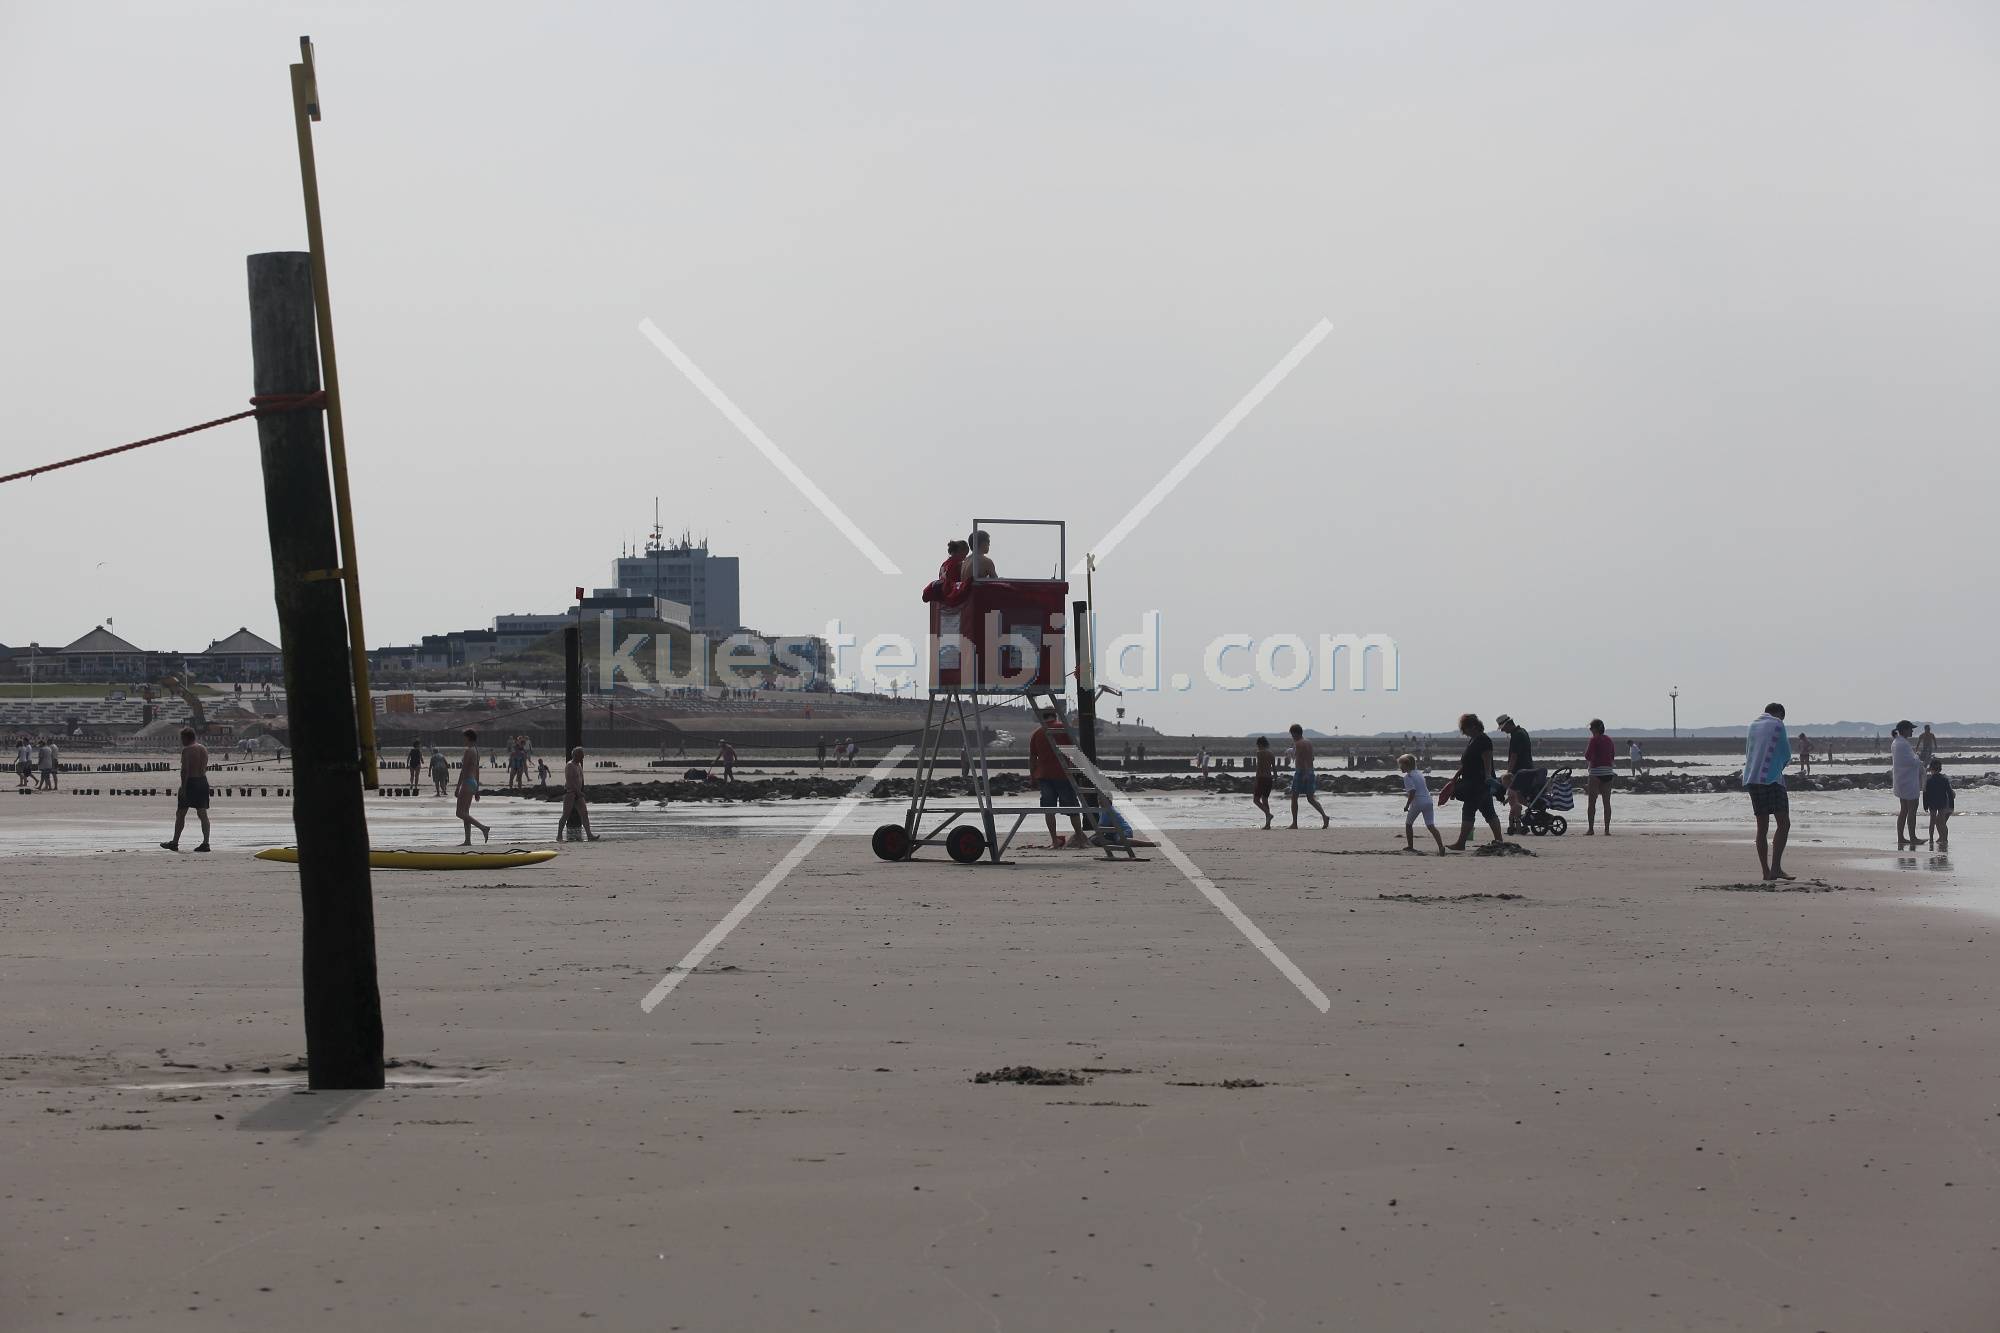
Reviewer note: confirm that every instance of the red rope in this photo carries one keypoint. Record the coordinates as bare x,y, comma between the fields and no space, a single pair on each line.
263,405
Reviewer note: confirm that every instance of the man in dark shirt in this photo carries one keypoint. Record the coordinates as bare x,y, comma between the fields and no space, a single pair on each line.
1520,762
1475,771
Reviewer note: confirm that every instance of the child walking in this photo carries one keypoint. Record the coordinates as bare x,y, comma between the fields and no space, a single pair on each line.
1939,801
1260,794
1417,801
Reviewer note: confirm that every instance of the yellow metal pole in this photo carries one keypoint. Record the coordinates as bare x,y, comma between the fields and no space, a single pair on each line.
305,110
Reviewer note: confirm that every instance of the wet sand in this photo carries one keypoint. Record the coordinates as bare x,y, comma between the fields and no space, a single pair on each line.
1626,1099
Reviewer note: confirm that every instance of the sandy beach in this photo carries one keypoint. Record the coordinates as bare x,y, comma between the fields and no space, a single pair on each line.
1629,1098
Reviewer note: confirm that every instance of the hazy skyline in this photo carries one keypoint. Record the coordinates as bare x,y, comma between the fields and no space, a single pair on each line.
1661,350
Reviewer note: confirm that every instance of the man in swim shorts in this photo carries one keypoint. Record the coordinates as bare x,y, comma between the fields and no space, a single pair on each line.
1304,781
193,791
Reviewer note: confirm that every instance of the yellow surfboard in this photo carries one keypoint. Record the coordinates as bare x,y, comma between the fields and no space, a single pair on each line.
387,860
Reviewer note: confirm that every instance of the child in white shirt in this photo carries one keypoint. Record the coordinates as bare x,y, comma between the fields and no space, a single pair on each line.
1417,801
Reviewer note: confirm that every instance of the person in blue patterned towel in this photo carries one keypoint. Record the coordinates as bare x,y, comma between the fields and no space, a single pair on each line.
1767,753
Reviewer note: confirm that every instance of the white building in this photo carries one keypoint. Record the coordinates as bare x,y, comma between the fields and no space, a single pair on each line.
683,571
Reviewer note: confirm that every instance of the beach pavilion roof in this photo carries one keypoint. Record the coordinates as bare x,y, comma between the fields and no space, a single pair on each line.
103,641
241,643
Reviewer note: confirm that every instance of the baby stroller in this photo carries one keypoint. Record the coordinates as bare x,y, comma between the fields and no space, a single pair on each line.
1539,812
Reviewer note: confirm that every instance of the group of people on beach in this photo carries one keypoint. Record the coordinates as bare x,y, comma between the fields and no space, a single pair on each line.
1479,783
519,750
437,766
193,792
1476,785
1304,780
845,751
37,762
1917,774
1768,753
575,816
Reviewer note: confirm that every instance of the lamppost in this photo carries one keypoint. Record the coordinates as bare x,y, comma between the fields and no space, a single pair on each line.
1674,698
34,652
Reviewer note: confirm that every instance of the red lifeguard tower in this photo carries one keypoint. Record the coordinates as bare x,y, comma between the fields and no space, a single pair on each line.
995,644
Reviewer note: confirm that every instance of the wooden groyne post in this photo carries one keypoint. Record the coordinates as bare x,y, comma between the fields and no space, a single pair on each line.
343,1007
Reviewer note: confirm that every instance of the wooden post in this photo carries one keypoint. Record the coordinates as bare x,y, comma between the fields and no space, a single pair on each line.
1086,699
343,1008
572,690
305,110
1086,680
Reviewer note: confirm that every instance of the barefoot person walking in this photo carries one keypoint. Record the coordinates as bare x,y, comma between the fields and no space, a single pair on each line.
1473,784
1767,753
193,792
575,810
1260,793
1417,803
1304,781
468,789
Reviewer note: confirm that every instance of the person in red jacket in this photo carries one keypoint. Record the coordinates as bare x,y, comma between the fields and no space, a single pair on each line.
954,556
939,588
1600,757
1046,768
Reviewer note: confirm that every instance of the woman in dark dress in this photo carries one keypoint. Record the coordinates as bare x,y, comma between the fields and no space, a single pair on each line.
1475,771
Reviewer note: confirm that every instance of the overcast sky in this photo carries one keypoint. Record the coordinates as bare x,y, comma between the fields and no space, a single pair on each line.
1663,336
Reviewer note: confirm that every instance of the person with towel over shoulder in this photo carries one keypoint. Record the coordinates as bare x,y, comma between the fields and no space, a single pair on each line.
1906,775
